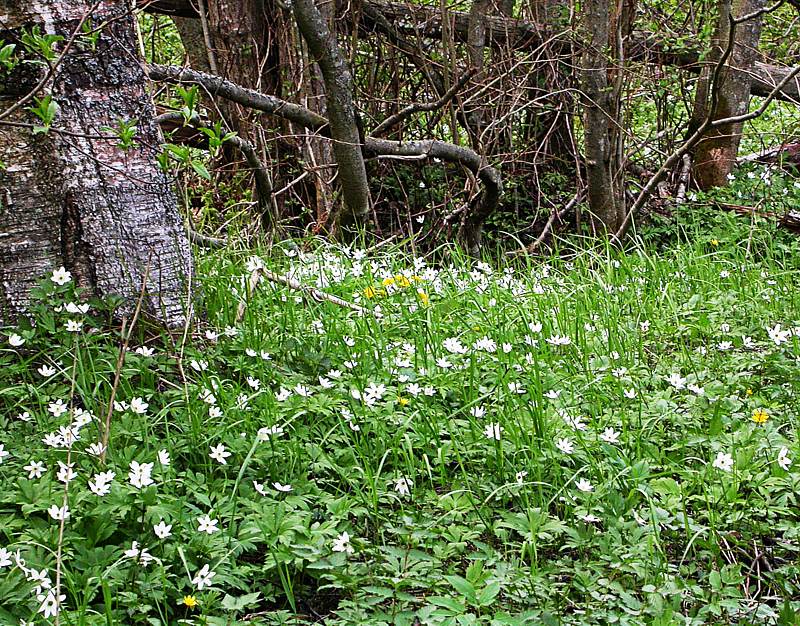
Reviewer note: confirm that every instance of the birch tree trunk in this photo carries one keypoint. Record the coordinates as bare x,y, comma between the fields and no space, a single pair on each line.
73,196
715,155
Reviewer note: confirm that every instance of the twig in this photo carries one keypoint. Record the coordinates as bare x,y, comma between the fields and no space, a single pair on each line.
121,360
394,120
555,215
205,241
316,294
212,59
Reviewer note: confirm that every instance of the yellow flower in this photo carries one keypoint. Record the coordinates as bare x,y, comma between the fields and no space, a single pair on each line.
190,601
402,401
402,280
370,292
714,242
759,416
418,279
387,282
423,297
749,392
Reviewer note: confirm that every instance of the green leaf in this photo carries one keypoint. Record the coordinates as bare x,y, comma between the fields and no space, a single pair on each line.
201,169
462,585
232,603
489,593
448,603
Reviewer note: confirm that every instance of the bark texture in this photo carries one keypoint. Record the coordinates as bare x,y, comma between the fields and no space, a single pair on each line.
715,155
194,42
72,196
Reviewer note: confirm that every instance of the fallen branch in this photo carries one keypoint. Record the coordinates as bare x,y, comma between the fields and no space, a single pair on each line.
771,155
205,241
291,283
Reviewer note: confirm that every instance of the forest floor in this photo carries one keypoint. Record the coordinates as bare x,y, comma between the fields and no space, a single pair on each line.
603,438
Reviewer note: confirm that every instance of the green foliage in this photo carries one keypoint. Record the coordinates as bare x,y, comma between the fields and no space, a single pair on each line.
609,439
8,60
183,157
42,44
45,110
90,35
125,131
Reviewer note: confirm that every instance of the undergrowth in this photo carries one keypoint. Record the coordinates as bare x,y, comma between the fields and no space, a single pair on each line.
604,438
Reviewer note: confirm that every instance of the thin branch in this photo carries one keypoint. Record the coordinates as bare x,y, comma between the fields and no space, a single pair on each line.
556,214
123,350
735,119
205,241
212,58
763,11
417,107
690,143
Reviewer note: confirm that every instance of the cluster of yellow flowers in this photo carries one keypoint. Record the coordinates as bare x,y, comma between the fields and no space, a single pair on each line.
398,280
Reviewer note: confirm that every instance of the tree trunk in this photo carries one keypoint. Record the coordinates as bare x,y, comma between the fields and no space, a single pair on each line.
194,43
341,111
73,196
601,166
715,155
317,152
476,48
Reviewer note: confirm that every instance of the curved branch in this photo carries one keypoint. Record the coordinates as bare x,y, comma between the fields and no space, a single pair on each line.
472,224
266,198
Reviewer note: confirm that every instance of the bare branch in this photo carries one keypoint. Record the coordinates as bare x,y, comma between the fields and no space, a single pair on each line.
394,120
250,98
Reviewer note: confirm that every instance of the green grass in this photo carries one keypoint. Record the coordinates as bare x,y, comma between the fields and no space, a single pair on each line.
445,525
